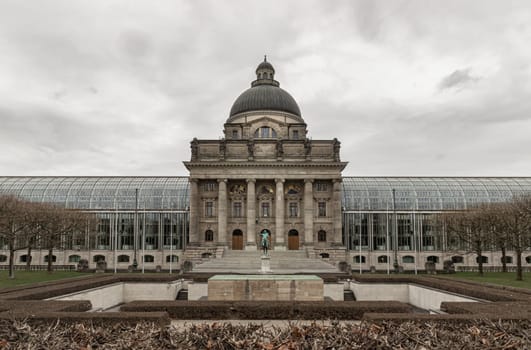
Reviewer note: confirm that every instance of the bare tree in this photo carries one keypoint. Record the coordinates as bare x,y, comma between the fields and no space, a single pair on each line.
494,223
14,214
469,227
56,224
516,218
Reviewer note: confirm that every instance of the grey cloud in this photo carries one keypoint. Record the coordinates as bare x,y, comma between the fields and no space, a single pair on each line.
456,79
73,75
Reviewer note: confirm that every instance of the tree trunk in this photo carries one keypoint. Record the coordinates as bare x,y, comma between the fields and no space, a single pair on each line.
11,261
480,262
28,261
50,251
504,264
519,276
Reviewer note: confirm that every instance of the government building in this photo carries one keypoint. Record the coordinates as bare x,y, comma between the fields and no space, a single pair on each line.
265,173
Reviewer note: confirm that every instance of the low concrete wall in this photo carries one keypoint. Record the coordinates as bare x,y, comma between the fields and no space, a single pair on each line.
151,291
108,296
418,296
101,298
431,299
334,291
380,291
197,291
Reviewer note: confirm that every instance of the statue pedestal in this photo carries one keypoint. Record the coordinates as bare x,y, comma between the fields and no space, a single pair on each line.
266,287
266,264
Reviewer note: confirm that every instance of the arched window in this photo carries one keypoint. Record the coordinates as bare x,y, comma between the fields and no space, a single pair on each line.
528,259
149,258
433,259
265,132
321,236
3,258
408,259
209,236
97,258
359,258
457,259
24,258
123,258
508,259
382,259
172,258
484,259
54,258
74,258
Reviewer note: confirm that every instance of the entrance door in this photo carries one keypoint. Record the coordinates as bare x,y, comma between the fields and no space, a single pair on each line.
293,240
237,240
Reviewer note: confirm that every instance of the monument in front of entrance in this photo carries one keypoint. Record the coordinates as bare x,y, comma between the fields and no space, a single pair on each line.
266,287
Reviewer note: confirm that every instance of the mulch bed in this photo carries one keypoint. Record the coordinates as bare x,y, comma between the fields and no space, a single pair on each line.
386,335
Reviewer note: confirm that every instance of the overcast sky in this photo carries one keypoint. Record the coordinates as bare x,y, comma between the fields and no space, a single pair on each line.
427,88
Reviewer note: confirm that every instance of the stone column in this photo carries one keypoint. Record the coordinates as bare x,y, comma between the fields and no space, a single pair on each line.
279,215
336,200
308,212
222,212
194,212
251,215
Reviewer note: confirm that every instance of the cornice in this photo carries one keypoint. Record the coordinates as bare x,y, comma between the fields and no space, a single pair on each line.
215,164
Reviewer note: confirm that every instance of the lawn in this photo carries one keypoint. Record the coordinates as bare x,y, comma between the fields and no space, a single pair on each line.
503,278
28,277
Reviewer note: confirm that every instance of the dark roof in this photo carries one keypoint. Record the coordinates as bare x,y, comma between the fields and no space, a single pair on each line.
265,97
265,65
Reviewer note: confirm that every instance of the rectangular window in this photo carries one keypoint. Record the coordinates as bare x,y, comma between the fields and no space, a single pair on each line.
322,209
237,209
209,209
295,134
209,186
293,210
265,209
235,134
322,187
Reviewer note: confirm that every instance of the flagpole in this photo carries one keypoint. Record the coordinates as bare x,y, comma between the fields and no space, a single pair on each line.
387,233
360,241
415,241
171,240
114,228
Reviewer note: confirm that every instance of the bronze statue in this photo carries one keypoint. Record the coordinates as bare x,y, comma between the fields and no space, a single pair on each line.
265,241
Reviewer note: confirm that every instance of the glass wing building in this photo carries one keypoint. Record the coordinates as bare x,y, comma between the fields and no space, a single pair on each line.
156,211
264,173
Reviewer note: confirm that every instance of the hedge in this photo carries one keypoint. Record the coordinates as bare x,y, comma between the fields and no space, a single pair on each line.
253,310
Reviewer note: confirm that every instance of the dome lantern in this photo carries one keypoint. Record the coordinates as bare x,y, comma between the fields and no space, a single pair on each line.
265,94
265,74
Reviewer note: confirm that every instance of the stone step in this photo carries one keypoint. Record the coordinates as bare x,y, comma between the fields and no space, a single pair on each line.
250,262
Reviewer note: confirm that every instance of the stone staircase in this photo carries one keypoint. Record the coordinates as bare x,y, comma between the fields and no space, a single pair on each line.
240,261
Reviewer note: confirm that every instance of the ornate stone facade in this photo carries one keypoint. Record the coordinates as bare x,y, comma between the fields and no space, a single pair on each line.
265,174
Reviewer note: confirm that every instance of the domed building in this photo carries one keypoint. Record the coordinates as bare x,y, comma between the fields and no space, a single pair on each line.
265,174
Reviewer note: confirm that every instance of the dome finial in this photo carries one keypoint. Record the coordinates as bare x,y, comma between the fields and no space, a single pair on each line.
265,58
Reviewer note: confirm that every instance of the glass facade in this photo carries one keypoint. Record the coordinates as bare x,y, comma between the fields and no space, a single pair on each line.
152,213
374,219
149,213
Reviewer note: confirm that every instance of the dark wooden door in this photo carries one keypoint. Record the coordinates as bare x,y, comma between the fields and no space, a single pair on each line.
237,241
293,240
